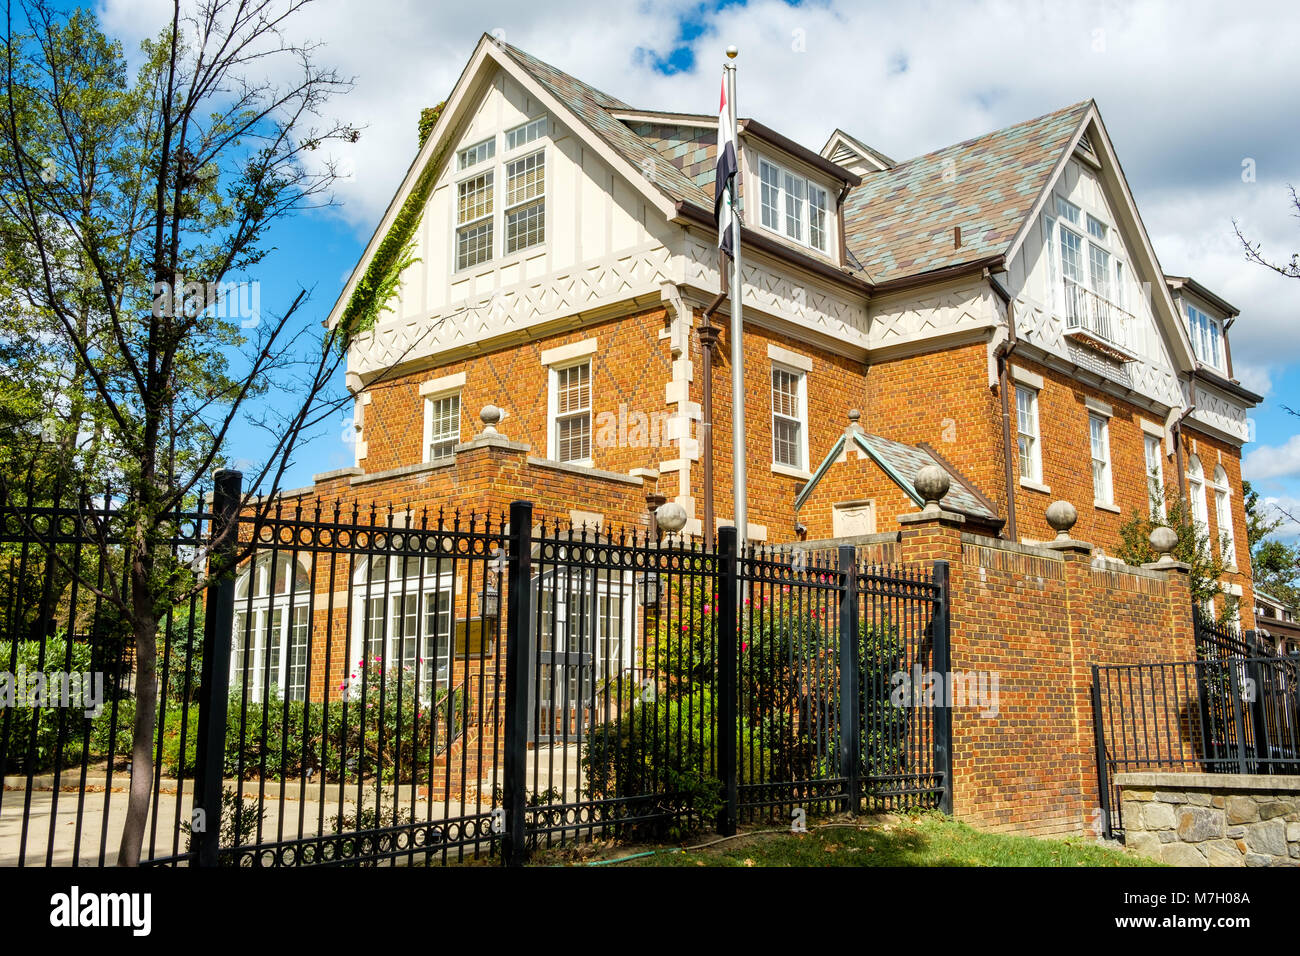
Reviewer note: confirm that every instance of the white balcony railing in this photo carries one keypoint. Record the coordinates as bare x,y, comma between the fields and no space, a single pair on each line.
1097,321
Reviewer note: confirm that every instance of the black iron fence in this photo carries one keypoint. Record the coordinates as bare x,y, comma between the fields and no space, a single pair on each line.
372,688
1217,640
1232,714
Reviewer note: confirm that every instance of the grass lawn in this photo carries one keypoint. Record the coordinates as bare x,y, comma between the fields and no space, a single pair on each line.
927,839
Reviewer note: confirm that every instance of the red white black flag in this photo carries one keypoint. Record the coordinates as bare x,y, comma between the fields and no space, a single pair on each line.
724,189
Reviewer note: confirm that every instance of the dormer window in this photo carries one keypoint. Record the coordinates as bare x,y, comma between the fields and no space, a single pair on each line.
1207,337
793,206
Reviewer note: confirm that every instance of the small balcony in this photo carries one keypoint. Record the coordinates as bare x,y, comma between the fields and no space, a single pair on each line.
1097,322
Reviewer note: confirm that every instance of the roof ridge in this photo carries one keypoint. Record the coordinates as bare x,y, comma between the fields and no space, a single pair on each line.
527,60
1063,111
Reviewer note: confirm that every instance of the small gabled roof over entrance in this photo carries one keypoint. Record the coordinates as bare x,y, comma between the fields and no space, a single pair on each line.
902,462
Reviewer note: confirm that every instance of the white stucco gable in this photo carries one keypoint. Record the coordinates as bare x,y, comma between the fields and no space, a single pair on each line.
1087,210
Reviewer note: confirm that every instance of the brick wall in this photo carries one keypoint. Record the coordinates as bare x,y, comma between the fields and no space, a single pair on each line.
1039,618
1212,452
834,385
630,368
942,398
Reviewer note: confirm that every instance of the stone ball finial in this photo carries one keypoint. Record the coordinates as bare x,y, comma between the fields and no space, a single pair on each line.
1062,516
490,416
932,483
1163,539
854,415
671,517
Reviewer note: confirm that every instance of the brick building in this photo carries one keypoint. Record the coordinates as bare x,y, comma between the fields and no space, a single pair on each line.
994,307
995,304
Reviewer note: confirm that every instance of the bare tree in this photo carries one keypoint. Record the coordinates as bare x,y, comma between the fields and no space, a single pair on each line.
136,203
1290,269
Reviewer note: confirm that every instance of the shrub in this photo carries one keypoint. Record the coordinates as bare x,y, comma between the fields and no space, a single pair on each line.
23,752
667,752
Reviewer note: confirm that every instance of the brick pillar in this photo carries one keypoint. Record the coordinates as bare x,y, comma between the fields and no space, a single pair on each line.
925,537
1081,802
1182,629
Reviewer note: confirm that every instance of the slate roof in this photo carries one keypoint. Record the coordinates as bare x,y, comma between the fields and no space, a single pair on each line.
595,109
906,460
898,222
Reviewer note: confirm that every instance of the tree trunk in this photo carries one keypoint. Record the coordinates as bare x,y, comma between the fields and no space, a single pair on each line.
145,627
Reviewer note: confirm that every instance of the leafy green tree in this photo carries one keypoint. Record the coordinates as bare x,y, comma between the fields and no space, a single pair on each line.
1193,549
1275,565
135,208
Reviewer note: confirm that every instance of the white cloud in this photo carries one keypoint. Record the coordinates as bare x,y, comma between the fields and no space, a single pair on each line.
1273,461
905,78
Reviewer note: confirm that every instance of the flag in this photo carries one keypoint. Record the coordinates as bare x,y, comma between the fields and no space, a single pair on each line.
725,174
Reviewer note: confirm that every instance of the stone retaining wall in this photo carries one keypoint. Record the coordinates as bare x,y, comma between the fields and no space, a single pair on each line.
1202,819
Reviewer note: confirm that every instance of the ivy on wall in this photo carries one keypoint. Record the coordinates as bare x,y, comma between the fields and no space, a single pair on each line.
383,276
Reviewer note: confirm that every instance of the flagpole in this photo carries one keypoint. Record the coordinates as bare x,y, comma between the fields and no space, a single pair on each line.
737,327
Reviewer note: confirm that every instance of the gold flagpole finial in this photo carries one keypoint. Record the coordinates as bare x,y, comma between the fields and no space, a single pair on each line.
732,52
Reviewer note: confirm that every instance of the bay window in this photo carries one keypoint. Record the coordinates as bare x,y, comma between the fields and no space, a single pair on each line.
1085,274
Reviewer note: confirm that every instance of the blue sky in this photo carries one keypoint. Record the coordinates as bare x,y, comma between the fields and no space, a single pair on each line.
1189,92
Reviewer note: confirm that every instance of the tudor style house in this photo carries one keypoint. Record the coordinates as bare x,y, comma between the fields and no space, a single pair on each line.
995,307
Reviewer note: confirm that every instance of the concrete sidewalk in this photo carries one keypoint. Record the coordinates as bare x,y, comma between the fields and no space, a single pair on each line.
52,836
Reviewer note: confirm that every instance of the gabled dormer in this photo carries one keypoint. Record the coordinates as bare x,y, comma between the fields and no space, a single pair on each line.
1207,318
791,193
855,155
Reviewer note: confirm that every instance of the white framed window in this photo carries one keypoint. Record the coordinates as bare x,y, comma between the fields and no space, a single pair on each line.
789,417
501,205
1196,492
404,617
525,205
269,642
1207,337
474,205
1099,435
793,206
1155,474
441,426
1223,517
478,153
1085,273
570,402
1027,436
525,133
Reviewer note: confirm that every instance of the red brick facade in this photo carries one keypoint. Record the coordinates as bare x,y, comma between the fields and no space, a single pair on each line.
1036,617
